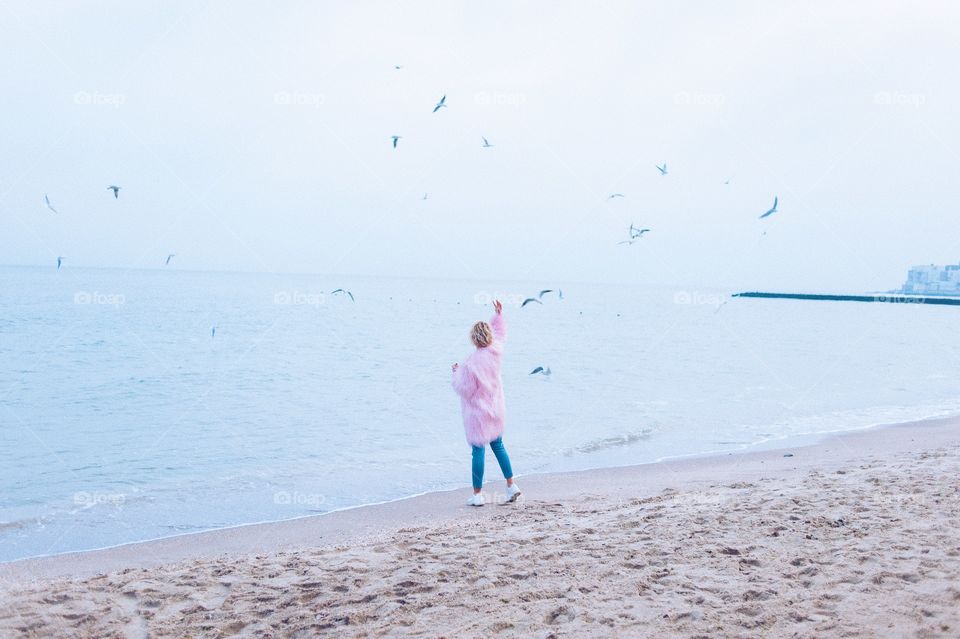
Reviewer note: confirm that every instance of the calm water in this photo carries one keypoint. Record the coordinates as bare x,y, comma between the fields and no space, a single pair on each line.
122,418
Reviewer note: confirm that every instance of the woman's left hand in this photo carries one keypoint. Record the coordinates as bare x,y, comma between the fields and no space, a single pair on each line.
497,306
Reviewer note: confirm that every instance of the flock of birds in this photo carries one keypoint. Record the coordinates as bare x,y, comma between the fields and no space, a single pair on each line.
541,370
635,233
116,196
170,256
395,139
539,298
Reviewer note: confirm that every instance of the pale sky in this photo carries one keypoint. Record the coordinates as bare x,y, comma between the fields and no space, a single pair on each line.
256,136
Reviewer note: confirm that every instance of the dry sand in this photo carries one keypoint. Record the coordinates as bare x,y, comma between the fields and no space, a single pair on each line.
858,535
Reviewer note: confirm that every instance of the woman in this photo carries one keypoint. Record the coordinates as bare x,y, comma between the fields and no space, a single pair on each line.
480,388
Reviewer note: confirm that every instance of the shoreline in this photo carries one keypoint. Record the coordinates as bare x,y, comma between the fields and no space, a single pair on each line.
853,535
364,521
799,440
770,443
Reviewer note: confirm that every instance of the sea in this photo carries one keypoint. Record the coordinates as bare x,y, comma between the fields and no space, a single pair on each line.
139,404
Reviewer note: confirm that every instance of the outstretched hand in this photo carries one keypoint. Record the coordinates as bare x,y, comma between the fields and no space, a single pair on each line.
497,306
455,367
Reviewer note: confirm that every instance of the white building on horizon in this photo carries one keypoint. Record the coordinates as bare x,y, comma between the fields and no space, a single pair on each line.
933,280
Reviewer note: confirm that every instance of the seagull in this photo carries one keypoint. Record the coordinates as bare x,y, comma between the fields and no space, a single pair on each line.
213,331
544,292
540,369
424,196
727,181
442,103
530,299
115,189
47,200
169,257
395,138
635,232
772,210
486,144
560,291
615,195
341,290
59,262
662,169
398,66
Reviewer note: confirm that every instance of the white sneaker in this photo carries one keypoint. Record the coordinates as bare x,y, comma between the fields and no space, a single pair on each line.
513,491
476,500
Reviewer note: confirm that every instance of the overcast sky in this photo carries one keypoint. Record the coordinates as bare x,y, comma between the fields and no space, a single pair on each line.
256,136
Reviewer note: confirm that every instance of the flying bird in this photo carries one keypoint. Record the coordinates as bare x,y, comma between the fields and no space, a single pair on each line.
395,138
442,103
635,232
560,291
341,290
424,196
615,195
727,181
544,292
49,206
213,331
486,144
771,210
540,369
398,66
530,299
59,262
662,169
115,189
169,257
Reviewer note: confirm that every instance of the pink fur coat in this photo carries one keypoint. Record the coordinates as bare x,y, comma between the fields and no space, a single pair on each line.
480,387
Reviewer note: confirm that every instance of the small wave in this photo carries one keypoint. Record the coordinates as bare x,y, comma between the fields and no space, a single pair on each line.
615,442
188,528
22,524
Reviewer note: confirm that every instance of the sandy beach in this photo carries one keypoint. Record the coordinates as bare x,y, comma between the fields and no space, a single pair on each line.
857,535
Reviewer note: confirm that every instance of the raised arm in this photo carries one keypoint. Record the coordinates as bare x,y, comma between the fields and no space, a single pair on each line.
498,323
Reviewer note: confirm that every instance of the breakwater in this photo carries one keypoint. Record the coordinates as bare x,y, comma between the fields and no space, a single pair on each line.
886,298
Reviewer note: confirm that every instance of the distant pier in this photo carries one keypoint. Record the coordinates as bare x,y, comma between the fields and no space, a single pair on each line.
887,298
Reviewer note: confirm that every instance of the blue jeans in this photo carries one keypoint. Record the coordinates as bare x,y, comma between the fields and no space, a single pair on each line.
502,458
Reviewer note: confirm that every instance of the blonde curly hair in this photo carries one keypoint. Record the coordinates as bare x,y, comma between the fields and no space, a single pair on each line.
481,335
